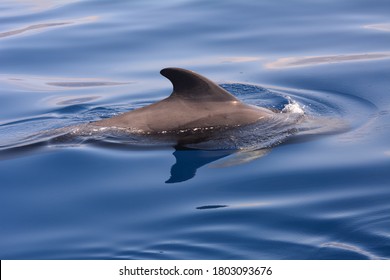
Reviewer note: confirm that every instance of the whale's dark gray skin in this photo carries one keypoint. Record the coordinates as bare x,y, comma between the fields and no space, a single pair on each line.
196,103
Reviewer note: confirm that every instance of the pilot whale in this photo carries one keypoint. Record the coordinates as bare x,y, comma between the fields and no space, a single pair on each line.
198,114
195,106
200,119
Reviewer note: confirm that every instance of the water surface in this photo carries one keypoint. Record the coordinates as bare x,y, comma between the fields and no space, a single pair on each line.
313,197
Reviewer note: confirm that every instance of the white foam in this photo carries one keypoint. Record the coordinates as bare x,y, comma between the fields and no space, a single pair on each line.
293,107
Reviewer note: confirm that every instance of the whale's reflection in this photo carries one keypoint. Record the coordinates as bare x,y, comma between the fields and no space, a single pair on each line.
188,161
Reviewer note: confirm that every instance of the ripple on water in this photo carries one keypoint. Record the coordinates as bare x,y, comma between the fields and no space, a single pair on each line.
301,113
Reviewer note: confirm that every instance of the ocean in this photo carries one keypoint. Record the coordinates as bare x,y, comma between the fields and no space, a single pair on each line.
316,196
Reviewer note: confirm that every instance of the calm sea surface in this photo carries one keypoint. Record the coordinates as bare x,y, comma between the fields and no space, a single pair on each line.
65,62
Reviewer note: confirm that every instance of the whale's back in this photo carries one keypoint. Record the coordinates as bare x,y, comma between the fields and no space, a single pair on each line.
196,102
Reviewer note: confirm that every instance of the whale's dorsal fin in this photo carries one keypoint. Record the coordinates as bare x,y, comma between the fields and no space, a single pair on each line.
192,86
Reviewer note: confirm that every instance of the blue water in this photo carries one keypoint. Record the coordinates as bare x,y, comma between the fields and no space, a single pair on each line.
324,196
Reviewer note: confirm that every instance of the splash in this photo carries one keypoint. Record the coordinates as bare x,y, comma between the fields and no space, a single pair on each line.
293,107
